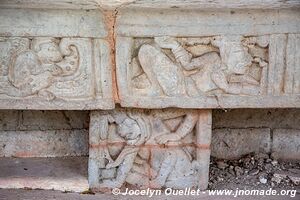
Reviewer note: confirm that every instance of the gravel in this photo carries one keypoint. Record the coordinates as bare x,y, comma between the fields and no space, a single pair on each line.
258,171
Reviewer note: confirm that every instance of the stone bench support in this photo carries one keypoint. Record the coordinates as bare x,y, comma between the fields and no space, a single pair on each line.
153,149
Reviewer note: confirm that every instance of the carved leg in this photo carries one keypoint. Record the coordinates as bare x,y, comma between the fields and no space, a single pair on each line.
166,167
161,71
203,140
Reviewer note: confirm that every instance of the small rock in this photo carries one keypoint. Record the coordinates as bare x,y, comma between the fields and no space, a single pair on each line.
269,160
263,180
254,172
268,167
277,178
238,171
222,164
219,179
274,162
294,175
262,155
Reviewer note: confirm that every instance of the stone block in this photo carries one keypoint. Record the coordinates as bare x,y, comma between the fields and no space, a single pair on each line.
161,64
54,60
9,119
286,144
149,148
53,120
257,118
63,174
234,143
43,143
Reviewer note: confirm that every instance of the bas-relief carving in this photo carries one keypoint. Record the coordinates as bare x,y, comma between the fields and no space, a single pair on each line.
154,148
229,64
45,67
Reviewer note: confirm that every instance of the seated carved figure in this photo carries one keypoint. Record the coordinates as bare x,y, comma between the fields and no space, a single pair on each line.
226,70
143,163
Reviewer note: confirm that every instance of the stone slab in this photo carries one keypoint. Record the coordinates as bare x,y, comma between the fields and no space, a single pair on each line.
286,144
64,174
165,4
47,73
234,143
52,23
49,143
9,120
52,120
168,58
256,118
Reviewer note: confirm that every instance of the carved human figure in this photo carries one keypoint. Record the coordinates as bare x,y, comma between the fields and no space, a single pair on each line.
227,72
32,71
143,163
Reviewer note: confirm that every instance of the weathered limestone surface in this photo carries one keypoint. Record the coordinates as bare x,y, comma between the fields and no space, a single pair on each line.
64,174
234,143
256,118
43,133
54,60
208,59
241,131
286,144
165,4
43,143
154,149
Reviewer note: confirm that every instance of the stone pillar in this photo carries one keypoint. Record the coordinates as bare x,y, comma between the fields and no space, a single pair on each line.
94,143
203,141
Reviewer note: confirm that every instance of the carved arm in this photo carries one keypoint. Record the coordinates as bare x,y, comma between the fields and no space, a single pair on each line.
185,128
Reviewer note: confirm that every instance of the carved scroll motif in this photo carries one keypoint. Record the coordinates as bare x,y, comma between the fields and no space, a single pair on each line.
45,67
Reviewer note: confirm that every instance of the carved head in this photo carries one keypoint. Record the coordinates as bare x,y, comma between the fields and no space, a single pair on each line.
47,49
234,55
129,130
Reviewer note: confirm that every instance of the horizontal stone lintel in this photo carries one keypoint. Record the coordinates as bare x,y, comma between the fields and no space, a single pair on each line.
165,4
29,104
230,101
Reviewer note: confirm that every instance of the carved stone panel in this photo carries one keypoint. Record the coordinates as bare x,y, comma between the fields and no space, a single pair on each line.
40,68
149,149
228,69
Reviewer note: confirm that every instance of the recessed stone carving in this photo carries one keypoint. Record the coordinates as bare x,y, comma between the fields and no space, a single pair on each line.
157,148
54,59
52,69
195,67
211,71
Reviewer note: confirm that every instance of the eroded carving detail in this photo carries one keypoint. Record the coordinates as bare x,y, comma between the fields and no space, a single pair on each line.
228,64
145,149
45,67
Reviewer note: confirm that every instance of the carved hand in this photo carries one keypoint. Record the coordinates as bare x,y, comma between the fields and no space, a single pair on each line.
163,139
166,42
111,165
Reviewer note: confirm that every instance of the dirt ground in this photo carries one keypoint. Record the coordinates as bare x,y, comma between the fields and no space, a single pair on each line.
254,172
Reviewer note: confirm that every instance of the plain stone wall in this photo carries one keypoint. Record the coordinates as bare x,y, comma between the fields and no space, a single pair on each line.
43,133
236,132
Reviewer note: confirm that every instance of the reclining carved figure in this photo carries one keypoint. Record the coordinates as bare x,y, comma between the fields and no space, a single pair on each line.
226,71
